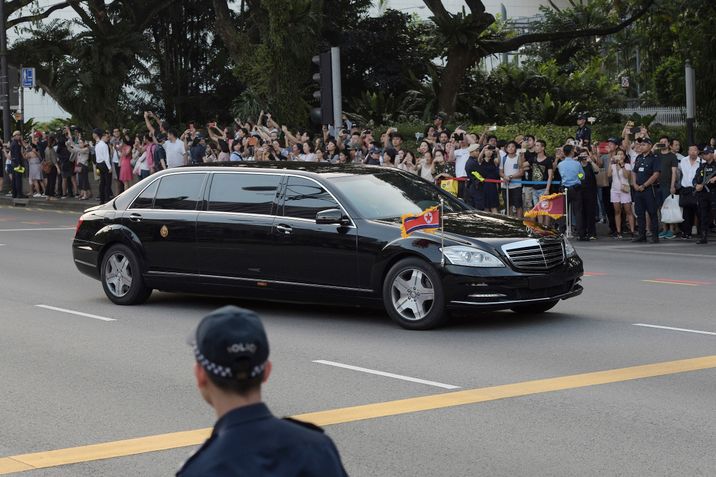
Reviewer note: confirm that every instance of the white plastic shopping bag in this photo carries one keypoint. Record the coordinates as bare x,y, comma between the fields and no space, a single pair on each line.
670,211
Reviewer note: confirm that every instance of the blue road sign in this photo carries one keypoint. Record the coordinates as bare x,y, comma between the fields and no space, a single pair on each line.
28,77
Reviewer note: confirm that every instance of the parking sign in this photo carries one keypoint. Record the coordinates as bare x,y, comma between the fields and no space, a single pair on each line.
28,77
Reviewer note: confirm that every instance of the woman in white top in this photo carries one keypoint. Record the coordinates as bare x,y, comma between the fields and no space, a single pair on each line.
35,171
620,173
307,154
425,167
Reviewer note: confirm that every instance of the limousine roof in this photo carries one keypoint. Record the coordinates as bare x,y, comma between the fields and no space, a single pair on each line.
309,168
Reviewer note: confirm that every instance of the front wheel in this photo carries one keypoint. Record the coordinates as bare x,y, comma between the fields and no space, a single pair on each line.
535,309
122,278
413,295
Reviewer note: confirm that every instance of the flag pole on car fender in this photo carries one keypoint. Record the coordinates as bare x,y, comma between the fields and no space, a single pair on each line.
442,234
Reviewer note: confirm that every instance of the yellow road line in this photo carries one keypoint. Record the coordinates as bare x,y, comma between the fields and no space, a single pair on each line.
672,283
73,455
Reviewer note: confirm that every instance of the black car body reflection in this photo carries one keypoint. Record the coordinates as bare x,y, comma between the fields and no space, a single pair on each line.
322,234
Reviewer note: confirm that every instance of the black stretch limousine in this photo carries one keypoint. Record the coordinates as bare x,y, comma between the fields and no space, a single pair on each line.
320,234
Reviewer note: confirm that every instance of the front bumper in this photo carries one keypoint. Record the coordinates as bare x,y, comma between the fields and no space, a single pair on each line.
504,288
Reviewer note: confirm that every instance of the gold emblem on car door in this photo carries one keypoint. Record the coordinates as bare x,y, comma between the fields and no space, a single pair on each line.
164,231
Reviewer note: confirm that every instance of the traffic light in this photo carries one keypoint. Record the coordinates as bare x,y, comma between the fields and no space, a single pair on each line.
324,113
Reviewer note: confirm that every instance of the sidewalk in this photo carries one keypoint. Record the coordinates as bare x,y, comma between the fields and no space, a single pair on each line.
71,204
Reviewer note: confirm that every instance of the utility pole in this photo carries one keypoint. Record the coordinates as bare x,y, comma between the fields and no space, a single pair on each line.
690,102
337,94
4,82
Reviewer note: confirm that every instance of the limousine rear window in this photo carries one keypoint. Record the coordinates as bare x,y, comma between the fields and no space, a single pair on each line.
246,193
389,195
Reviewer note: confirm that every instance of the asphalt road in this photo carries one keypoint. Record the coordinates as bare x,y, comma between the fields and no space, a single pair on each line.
72,381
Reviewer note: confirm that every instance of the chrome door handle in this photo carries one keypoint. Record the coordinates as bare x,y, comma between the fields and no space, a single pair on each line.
135,217
286,229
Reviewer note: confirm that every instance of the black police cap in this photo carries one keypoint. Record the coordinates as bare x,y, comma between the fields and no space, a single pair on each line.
231,343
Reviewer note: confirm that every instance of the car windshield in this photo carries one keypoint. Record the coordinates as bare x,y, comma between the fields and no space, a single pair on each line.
389,195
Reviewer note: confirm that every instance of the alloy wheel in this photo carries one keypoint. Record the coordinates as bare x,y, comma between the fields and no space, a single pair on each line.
118,274
412,294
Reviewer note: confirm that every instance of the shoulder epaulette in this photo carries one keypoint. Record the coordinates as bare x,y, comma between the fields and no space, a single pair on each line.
305,424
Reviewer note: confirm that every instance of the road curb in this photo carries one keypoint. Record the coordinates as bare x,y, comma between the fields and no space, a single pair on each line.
58,204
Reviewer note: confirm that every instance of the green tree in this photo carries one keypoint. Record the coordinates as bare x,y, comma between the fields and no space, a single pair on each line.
188,75
86,70
271,44
467,37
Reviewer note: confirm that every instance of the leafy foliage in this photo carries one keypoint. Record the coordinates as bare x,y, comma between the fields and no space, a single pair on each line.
379,107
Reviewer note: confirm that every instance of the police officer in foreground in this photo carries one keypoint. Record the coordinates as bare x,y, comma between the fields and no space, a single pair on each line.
231,351
705,185
645,174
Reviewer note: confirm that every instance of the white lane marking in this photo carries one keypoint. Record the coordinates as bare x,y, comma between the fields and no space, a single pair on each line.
627,250
37,230
670,328
387,375
73,312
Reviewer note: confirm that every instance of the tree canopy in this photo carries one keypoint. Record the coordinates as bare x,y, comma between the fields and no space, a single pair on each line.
193,60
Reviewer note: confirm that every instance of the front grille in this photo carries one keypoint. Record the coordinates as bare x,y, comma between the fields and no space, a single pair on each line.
535,255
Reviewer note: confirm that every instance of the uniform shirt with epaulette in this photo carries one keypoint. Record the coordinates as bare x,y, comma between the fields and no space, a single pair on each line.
706,170
645,166
584,133
250,441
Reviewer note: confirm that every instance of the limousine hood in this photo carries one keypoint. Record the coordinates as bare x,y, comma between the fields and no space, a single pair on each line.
476,227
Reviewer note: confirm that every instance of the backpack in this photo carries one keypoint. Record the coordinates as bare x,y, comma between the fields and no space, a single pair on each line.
157,156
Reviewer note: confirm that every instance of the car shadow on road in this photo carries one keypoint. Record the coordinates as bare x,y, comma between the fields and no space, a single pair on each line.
500,320
294,311
354,315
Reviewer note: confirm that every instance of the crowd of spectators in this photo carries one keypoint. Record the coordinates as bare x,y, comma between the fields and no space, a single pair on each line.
612,181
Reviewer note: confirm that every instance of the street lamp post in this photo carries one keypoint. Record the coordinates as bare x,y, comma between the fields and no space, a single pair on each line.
690,101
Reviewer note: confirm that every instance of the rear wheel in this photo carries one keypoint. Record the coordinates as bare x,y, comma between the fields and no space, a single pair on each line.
122,278
413,295
536,308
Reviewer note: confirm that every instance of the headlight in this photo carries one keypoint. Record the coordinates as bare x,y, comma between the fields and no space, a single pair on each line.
569,250
471,257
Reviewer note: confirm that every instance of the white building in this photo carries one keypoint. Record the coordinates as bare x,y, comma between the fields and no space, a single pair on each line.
515,8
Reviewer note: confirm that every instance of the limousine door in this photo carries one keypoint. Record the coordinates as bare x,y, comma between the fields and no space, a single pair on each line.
233,238
308,253
163,217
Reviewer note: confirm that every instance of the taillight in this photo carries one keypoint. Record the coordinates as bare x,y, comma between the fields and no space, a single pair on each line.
79,224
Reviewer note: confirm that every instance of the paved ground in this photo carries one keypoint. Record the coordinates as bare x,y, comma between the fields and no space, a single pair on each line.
72,381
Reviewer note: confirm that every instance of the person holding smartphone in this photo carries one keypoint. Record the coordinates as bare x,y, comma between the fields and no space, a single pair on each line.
589,192
620,193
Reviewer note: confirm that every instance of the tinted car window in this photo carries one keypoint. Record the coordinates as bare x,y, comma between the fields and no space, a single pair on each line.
247,193
304,198
145,200
179,192
387,195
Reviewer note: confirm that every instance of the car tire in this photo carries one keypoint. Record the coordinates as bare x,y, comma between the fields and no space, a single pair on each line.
536,308
413,295
122,278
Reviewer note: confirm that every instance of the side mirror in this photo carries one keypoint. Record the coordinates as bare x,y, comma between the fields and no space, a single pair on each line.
331,216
